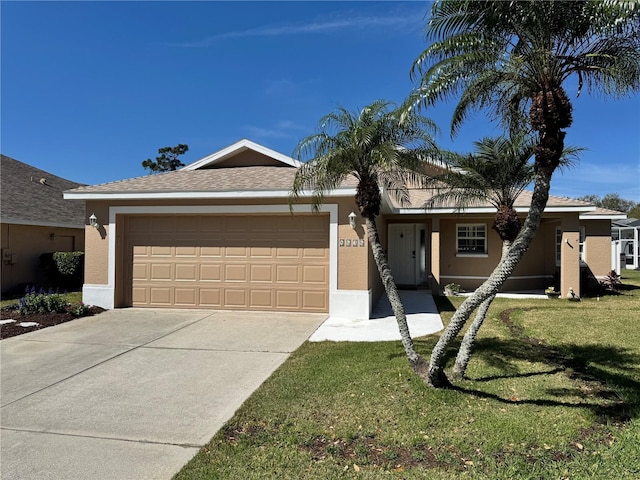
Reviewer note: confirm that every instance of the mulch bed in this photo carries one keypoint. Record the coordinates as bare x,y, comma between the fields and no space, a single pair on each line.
43,320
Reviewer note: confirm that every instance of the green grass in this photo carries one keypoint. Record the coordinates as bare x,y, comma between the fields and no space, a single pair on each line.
72,297
552,393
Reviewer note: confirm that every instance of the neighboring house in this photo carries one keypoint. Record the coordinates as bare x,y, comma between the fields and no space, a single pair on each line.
219,234
35,220
625,234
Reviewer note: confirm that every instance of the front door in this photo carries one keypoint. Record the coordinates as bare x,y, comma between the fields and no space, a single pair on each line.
402,253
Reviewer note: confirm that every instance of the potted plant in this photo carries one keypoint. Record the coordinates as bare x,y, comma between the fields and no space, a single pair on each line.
551,292
452,289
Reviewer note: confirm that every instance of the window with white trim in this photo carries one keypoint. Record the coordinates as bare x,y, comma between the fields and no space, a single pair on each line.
558,245
583,236
471,239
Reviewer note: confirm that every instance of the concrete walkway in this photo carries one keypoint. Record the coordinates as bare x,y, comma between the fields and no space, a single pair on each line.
134,393
422,317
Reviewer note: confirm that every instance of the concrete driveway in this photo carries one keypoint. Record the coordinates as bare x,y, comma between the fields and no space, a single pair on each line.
133,393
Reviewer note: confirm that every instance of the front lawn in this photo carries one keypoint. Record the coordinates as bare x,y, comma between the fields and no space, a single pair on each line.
554,392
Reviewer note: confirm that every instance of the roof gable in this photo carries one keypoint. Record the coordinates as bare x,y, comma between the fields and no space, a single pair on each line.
244,153
31,196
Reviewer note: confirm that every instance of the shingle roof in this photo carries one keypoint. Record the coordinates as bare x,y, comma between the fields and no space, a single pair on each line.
605,212
419,197
251,178
34,197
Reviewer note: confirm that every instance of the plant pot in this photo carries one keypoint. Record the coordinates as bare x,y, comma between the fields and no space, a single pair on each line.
553,295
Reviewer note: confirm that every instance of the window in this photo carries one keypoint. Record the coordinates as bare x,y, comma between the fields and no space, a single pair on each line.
472,239
583,237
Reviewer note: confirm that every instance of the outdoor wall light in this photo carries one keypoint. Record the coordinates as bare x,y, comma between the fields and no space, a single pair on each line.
93,221
352,220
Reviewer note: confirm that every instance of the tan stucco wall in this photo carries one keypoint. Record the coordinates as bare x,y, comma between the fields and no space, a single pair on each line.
570,255
97,246
598,246
534,271
353,262
22,246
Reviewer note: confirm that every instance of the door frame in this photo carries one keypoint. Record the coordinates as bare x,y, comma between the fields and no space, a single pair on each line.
421,248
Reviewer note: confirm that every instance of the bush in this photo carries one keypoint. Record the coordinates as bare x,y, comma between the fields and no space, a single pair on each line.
63,268
79,310
33,303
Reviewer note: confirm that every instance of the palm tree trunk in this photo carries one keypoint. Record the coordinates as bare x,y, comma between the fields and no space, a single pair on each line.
416,360
436,376
464,353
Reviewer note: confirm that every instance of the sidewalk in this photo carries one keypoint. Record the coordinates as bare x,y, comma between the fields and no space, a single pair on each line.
422,317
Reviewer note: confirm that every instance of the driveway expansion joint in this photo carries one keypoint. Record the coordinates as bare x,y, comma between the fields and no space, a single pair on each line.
97,437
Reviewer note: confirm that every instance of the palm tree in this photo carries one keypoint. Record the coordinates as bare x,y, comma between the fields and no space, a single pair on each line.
497,173
512,58
380,148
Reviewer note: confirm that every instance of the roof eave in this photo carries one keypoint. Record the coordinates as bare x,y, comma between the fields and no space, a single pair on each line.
608,216
38,223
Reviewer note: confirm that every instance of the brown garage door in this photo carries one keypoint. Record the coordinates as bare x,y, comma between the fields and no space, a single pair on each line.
228,262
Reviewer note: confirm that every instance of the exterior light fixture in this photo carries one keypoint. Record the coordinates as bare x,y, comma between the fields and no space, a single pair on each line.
93,221
352,220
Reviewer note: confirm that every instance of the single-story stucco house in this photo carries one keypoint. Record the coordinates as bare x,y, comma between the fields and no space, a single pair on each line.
219,234
35,219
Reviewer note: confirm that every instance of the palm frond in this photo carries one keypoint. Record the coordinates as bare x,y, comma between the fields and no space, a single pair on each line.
378,145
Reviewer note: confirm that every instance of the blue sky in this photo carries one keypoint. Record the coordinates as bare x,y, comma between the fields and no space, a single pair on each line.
91,89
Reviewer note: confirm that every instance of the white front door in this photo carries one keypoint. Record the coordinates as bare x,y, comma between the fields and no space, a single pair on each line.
402,252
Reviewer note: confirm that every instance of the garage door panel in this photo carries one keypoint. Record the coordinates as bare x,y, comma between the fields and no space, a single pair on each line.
160,251
210,297
186,272
261,273
315,253
140,296
235,273
211,252
140,271
288,299
185,297
237,252
287,274
187,251
211,273
161,271
314,274
261,299
235,298
160,296
314,300
261,252
230,262
283,252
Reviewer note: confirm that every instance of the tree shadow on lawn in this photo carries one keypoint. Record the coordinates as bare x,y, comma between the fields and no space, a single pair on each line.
605,376
603,372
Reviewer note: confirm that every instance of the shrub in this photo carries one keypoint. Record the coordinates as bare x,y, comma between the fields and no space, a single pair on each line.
63,268
611,281
79,310
33,303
